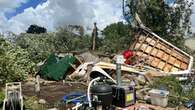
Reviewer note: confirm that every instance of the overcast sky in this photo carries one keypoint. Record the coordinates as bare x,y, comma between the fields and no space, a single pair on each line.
17,15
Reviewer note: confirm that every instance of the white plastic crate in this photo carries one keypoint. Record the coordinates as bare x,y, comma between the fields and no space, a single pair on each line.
159,97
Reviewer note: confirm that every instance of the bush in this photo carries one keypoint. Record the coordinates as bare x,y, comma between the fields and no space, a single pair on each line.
40,46
2,96
15,63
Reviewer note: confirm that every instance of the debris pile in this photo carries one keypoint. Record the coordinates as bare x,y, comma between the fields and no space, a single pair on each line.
129,81
149,58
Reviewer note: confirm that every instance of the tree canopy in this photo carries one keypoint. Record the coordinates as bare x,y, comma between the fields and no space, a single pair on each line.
116,37
170,21
35,29
40,46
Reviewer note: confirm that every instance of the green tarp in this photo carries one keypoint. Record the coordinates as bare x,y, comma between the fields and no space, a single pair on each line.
55,68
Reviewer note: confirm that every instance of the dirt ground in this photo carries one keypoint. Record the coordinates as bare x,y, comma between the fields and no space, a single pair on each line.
52,92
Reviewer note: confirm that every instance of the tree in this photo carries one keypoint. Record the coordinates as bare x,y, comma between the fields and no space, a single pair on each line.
35,29
117,37
171,21
39,46
15,63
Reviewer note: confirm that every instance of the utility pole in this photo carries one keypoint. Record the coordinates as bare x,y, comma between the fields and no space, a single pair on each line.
94,36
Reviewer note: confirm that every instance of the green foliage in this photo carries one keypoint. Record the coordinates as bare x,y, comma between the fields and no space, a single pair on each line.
14,62
2,96
171,23
68,41
31,103
174,86
40,46
116,38
35,29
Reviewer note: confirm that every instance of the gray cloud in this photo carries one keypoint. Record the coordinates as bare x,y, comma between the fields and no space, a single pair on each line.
10,5
190,43
55,13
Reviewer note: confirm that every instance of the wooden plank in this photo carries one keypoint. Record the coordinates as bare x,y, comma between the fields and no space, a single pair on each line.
141,40
168,50
154,52
174,69
178,63
137,46
184,66
147,48
160,54
143,47
136,40
167,67
171,60
155,62
161,65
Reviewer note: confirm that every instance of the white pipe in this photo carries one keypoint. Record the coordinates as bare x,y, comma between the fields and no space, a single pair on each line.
100,70
88,90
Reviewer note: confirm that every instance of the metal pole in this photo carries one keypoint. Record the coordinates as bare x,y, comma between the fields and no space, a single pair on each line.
119,60
118,74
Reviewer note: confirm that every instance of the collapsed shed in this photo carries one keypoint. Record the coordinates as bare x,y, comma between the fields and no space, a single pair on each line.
161,54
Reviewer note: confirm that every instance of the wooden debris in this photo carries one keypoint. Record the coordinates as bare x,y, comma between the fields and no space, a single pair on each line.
160,54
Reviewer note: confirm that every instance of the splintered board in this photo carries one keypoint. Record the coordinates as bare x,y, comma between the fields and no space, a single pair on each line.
159,54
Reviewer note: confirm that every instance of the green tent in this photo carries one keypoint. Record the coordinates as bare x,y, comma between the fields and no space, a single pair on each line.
56,68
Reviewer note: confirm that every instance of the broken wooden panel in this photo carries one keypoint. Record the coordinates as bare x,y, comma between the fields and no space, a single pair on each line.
167,68
161,65
155,62
154,52
160,54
